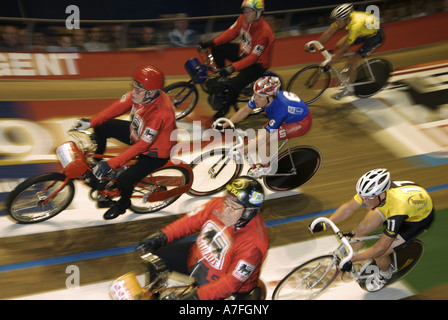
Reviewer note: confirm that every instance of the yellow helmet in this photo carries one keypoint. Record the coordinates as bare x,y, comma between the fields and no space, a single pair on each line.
253,4
257,5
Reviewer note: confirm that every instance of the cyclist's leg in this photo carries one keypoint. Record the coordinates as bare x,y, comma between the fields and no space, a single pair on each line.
135,173
126,180
238,83
227,51
409,231
115,128
369,46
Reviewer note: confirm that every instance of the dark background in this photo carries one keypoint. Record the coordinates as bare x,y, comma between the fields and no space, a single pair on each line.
140,9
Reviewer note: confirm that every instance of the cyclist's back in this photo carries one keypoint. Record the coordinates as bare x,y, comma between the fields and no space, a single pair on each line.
286,108
407,200
361,25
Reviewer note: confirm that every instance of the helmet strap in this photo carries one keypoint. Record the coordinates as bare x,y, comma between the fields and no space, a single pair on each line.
150,96
381,201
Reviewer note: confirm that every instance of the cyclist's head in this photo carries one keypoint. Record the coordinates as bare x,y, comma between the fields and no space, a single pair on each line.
249,193
267,86
257,5
150,79
373,183
342,11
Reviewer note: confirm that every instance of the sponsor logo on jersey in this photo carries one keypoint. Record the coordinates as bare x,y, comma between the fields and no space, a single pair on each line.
417,201
148,135
243,270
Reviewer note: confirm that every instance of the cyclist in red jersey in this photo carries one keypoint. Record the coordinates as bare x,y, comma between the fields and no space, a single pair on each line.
251,57
226,258
148,134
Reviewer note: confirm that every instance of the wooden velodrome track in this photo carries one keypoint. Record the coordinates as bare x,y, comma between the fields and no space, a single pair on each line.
340,131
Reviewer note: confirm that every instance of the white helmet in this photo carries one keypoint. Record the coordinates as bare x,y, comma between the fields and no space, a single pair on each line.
342,11
373,183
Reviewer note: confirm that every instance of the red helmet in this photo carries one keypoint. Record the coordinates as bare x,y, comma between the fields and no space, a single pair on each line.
149,78
267,86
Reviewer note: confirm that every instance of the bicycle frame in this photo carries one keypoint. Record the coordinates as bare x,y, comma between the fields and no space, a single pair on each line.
75,165
347,241
240,134
328,56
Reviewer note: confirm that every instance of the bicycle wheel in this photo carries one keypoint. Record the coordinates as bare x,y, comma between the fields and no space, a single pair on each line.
212,171
308,280
381,70
29,202
406,258
166,179
310,83
184,96
307,161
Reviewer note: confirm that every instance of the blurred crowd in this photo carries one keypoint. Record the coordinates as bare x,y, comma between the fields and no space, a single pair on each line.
179,31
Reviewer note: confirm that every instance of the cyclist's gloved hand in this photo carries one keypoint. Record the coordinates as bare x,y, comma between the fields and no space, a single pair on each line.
224,72
321,226
82,124
203,44
219,127
101,169
347,266
151,243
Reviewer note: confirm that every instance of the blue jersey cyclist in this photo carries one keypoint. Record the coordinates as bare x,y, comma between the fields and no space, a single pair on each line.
288,116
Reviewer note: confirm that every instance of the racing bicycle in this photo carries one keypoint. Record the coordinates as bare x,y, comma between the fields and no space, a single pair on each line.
42,197
312,81
295,166
311,279
185,94
162,284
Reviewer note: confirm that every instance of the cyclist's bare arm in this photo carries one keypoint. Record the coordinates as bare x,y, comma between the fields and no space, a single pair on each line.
342,50
239,116
344,211
328,34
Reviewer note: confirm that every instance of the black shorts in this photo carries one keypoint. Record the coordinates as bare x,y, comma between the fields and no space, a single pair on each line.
411,230
370,44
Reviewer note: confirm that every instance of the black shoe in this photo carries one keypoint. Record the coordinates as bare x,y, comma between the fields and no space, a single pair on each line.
221,113
114,212
106,203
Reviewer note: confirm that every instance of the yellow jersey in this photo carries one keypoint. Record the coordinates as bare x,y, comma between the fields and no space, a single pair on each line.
405,202
361,24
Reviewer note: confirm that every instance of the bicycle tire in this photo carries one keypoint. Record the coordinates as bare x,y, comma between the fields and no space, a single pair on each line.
184,96
310,83
178,176
307,282
381,69
204,184
307,161
32,191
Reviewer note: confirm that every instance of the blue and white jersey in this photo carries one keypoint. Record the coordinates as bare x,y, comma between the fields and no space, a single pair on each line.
287,107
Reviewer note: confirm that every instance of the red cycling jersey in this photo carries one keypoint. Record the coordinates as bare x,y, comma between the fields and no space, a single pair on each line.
257,42
223,260
150,127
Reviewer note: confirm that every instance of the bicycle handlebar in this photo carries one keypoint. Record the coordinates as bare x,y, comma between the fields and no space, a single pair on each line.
327,55
238,132
339,234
